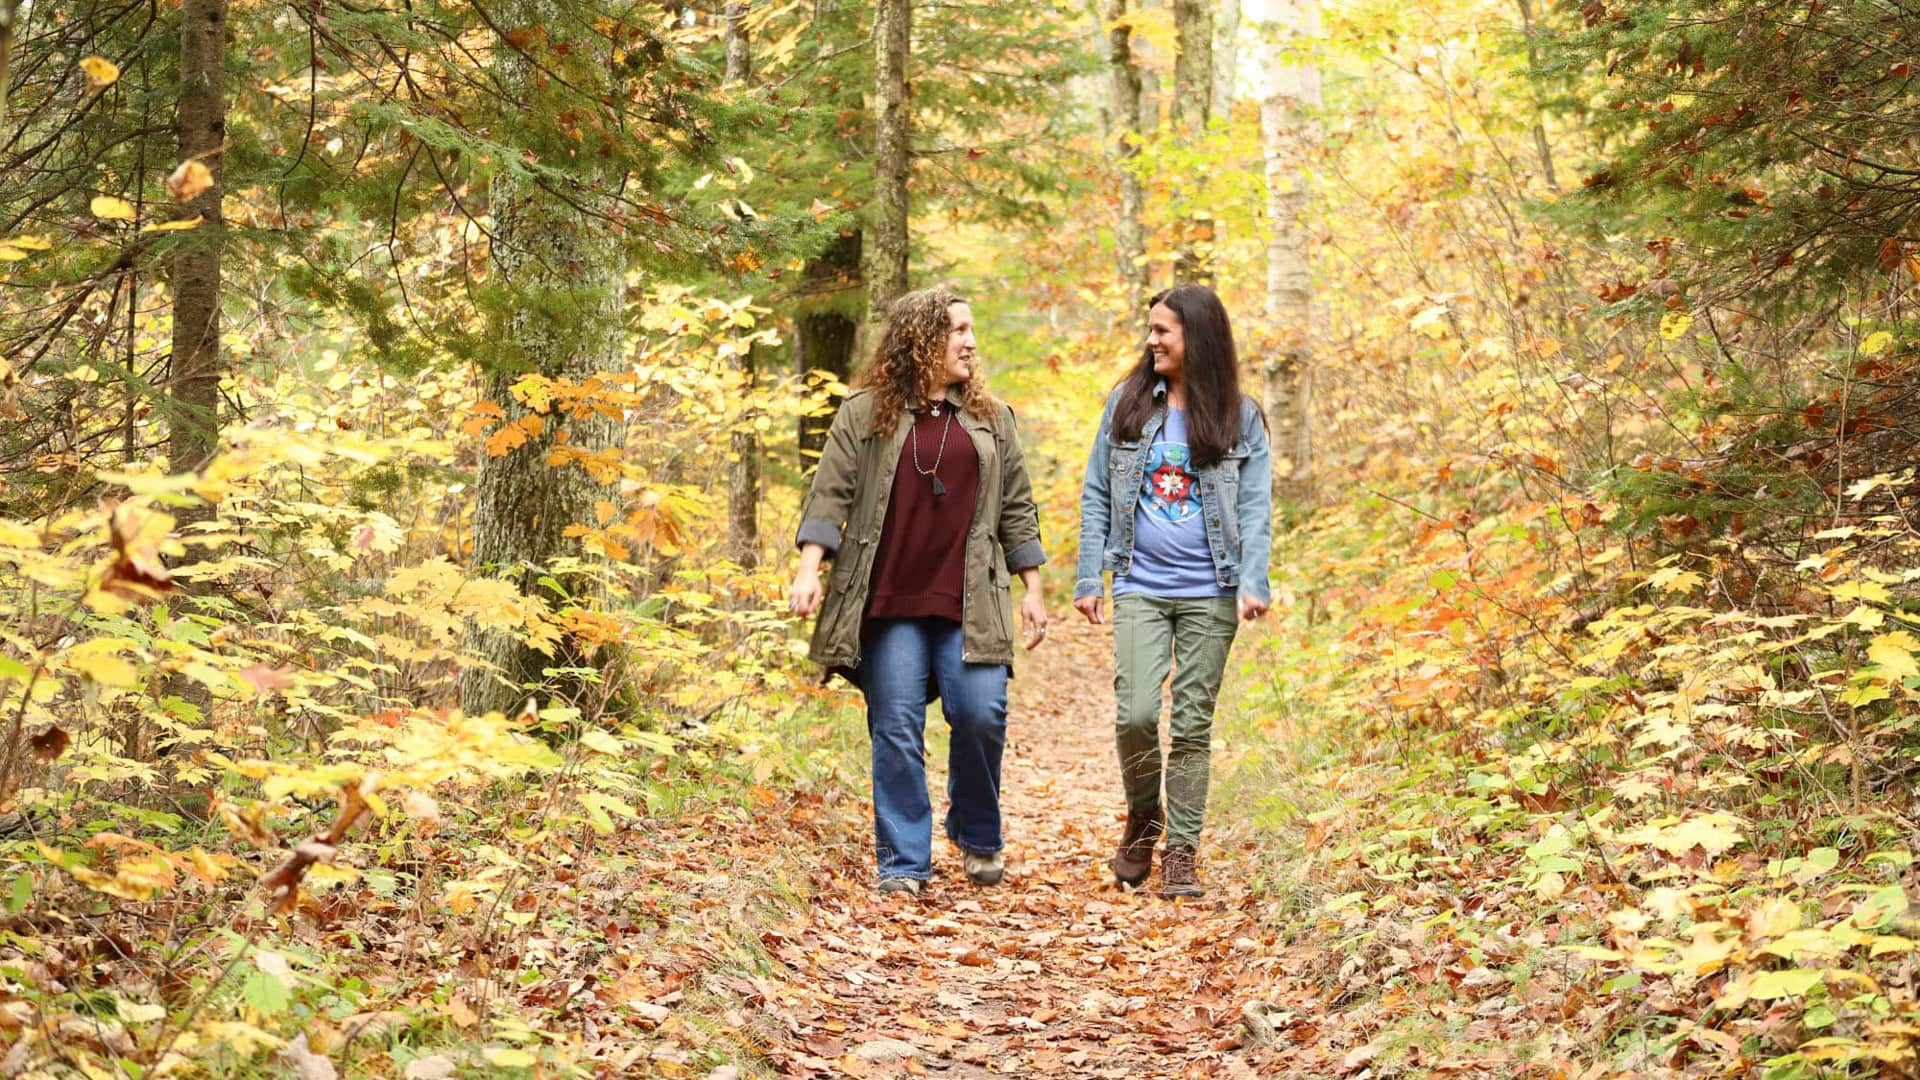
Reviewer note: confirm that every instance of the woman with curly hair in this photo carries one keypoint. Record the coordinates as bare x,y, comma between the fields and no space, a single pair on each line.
1176,506
922,503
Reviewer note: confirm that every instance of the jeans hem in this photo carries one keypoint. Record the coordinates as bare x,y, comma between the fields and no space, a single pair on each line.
955,841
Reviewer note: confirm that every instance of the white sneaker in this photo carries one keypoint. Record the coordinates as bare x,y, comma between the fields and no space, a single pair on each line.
986,869
910,886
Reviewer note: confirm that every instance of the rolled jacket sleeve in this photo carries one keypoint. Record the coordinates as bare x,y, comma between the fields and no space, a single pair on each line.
1019,525
823,516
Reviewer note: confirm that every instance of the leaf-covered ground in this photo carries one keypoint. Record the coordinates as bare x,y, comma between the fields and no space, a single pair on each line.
1056,972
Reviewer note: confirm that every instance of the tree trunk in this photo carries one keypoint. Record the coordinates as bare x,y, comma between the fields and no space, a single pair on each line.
565,268
1192,66
893,154
1286,129
743,476
9,16
1192,103
828,326
743,458
1144,54
739,58
1226,57
1129,236
194,369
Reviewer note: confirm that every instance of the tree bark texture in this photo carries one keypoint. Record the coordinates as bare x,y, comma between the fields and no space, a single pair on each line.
565,270
200,123
9,17
743,457
1286,130
1226,57
828,326
739,56
1192,104
893,153
743,477
1192,66
1129,236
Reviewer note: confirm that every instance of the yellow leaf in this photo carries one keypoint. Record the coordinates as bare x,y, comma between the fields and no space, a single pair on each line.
1674,323
601,742
181,225
1893,653
11,254
188,180
1876,343
100,72
1674,579
28,243
111,209
1774,917
103,668
508,1057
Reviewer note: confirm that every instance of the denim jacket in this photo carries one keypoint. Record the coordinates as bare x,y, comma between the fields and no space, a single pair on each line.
1242,480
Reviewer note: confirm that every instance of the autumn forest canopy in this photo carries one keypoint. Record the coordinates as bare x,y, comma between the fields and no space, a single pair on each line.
406,410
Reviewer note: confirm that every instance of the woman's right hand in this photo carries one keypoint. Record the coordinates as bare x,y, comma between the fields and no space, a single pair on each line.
805,594
1090,607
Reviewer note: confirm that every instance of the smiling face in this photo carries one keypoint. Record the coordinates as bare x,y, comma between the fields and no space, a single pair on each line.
960,345
1166,341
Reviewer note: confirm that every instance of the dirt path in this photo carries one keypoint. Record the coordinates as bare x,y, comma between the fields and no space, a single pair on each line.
1057,971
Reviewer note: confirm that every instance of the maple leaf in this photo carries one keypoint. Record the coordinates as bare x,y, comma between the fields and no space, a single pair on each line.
1892,655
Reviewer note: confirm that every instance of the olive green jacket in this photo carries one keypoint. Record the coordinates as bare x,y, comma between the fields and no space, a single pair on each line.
847,506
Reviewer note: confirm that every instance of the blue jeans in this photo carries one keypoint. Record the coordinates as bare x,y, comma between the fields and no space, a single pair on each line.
905,664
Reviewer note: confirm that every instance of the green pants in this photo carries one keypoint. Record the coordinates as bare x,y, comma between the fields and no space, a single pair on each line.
1190,638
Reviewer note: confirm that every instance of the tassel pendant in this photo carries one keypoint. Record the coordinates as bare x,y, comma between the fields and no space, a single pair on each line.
938,487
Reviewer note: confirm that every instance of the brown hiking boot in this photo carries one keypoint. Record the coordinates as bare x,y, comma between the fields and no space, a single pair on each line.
1134,860
1176,873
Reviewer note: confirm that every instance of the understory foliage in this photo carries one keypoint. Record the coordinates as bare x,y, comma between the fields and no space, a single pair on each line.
224,738
1592,729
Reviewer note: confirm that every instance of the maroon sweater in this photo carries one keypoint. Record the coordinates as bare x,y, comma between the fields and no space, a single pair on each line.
921,567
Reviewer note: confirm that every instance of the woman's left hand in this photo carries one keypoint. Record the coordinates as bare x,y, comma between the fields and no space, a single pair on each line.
1251,608
1033,618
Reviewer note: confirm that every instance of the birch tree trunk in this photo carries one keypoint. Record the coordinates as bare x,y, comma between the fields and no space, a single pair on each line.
743,477
1287,135
1129,236
739,54
893,154
565,269
1192,104
743,453
200,123
1226,57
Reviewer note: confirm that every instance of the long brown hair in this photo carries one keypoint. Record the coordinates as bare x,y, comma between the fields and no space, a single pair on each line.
909,366
1211,371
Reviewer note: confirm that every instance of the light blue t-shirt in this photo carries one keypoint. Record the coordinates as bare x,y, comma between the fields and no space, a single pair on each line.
1171,556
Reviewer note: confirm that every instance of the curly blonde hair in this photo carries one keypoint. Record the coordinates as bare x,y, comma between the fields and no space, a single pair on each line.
909,365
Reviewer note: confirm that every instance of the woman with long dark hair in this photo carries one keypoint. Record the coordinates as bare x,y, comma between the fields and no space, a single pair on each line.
1177,506
923,504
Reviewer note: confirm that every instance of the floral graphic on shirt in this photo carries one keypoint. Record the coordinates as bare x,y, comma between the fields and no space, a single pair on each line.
1171,492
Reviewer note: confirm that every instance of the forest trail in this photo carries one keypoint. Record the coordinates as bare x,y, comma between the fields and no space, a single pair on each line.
1055,972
